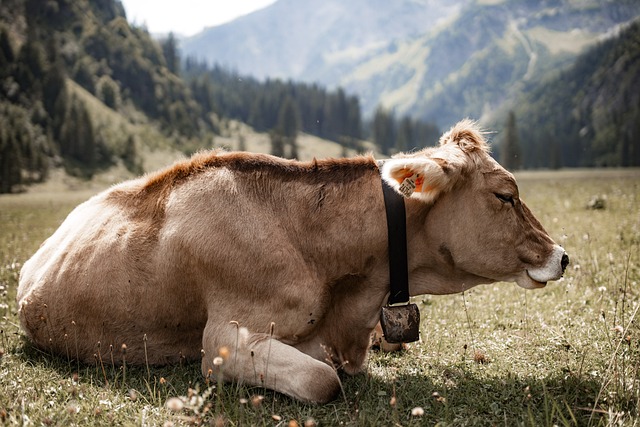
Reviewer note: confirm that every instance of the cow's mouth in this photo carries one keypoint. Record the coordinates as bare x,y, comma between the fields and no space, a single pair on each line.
526,281
537,283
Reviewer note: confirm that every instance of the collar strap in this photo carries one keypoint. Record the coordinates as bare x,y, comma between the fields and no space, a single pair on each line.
397,240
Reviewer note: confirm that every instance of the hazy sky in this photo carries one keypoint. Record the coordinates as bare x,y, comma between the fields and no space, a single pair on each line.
187,17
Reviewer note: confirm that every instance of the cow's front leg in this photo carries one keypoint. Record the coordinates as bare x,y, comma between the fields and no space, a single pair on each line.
259,359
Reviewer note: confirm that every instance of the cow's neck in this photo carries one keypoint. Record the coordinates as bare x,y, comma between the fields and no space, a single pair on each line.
432,269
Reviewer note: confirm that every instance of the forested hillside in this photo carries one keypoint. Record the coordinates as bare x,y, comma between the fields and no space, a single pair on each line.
56,57
82,89
587,114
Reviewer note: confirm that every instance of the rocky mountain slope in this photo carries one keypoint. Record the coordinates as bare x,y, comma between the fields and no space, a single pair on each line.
314,40
435,60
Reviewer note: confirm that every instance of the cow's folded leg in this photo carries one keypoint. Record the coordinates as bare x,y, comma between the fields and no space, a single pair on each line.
258,359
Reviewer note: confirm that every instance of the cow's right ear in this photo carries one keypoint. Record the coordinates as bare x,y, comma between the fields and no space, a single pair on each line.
420,177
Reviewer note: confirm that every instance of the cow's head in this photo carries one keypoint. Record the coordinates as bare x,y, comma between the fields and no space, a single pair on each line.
476,225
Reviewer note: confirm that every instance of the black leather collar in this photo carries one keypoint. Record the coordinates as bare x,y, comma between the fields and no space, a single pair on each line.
397,240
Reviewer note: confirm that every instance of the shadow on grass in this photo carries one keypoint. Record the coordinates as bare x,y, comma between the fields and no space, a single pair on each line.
109,373
463,395
451,395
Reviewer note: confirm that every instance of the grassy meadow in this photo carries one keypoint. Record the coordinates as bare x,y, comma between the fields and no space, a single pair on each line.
568,354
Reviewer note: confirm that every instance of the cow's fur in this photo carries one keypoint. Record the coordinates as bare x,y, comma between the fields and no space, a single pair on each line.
278,267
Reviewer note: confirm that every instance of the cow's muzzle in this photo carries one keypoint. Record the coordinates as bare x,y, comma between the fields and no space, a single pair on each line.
553,268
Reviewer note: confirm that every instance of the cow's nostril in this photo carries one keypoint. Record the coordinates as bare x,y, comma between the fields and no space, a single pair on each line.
565,261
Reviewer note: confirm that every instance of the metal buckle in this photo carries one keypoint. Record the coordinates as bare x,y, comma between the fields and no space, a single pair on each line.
400,322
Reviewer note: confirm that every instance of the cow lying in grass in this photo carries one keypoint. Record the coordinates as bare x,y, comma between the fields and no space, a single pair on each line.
273,271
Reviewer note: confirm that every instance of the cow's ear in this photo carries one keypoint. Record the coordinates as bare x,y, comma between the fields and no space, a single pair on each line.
421,177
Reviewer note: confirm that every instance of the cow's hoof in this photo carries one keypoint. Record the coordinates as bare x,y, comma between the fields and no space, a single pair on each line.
320,385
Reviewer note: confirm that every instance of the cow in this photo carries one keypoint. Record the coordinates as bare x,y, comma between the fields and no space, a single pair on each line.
273,272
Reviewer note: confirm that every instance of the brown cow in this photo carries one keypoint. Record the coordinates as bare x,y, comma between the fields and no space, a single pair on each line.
274,271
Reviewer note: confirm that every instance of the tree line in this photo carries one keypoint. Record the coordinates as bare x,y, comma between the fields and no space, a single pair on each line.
327,114
330,114
392,134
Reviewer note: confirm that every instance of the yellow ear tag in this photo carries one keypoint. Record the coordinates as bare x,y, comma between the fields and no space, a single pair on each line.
408,185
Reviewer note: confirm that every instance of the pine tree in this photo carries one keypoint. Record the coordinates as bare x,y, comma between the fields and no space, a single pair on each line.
510,153
405,135
30,66
77,136
109,92
383,130
288,126
10,162
41,161
7,55
130,156
84,74
54,84
59,115
170,51
288,118
336,115
66,118
86,137
354,125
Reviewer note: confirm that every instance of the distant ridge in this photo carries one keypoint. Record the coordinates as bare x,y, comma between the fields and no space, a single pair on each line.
436,60
297,39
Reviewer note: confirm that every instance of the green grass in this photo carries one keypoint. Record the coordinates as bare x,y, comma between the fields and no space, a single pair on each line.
568,354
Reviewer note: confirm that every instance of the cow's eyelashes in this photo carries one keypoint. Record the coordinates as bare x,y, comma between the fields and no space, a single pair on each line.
505,198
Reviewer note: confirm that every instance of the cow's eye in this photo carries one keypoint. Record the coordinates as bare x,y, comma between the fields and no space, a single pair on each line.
505,198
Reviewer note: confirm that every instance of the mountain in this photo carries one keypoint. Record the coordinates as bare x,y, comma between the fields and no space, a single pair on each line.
310,40
434,60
